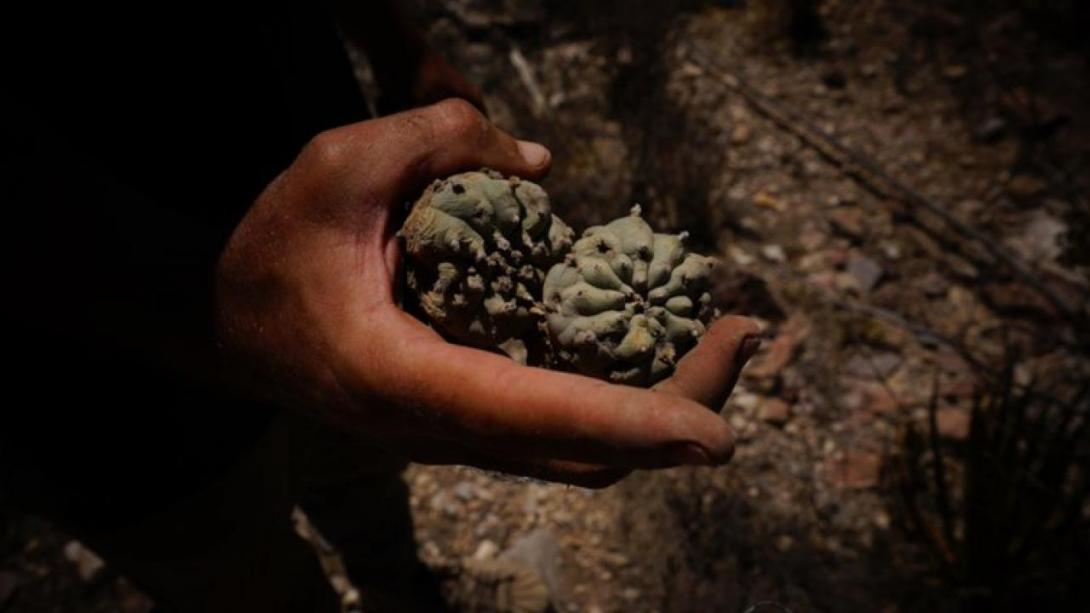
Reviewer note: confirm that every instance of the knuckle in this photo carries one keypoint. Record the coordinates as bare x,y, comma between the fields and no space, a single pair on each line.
455,118
326,149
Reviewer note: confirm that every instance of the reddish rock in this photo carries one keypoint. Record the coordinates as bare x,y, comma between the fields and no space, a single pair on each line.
864,271
825,280
774,411
952,423
847,221
854,470
1017,299
769,362
877,398
740,134
1025,187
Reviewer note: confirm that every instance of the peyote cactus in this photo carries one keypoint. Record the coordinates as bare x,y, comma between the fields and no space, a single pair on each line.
479,245
627,302
491,266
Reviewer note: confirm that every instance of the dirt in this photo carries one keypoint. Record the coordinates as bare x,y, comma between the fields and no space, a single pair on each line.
869,304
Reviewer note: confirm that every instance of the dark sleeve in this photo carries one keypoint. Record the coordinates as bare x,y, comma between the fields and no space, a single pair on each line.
133,145
99,267
114,408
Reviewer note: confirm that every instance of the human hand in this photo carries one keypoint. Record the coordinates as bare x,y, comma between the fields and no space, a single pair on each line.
306,299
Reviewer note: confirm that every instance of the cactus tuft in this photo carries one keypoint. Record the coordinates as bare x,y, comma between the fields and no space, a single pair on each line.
478,247
491,266
627,302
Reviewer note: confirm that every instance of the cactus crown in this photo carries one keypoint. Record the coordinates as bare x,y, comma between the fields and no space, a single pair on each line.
491,266
478,246
626,302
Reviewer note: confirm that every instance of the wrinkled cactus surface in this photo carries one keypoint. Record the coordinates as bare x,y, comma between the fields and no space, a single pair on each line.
627,302
478,246
491,266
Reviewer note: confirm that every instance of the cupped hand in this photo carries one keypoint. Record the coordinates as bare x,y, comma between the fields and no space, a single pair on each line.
307,312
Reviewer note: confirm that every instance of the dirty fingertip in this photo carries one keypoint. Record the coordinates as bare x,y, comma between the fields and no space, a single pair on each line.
534,154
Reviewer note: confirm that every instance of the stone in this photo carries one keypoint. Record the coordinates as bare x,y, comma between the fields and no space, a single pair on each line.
465,490
739,256
1040,239
740,134
873,364
442,502
990,130
854,470
953,423
875,397
1024,187
773,253
774,411
847,221
768,201
865,271
769,362
88,564
932,284
746,401
955,72
486,550
812,238
540,551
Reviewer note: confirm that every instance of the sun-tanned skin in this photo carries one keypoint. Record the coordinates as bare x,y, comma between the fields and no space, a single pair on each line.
306,293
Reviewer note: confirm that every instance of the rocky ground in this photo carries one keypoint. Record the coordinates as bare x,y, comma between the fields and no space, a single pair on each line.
718,122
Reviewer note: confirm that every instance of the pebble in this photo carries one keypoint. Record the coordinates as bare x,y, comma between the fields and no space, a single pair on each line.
955,71
88,564
768,201
773,253
784,542
740,134
880,364
865,271
485,550
740,257
465,490
442,502
854,470
953,423
847,221
1025,187
746,401
774,411
990,130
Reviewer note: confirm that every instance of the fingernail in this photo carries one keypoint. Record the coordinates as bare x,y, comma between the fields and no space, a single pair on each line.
688,454
535,154
750,346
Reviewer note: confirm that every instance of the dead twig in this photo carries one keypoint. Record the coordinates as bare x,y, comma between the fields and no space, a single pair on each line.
526,74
